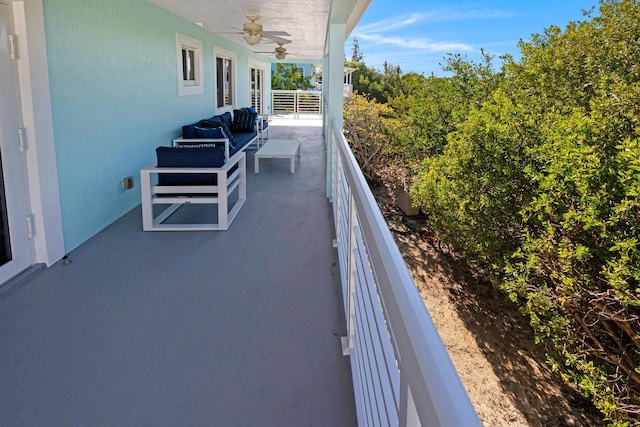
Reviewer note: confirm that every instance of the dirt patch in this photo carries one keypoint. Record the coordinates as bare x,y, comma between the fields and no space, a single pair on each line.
490,342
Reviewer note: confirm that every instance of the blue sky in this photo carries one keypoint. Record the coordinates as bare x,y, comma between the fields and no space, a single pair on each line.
417,34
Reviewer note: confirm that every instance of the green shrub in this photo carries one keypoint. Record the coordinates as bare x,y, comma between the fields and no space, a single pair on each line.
541,184
368,130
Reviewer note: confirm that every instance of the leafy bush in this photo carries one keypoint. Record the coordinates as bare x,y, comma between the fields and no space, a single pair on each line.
541,185
368,129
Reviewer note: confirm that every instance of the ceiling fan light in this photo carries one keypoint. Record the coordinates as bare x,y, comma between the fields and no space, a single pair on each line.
280,55
252,27
252,39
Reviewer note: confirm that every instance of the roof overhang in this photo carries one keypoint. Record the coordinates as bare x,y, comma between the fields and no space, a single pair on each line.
306,21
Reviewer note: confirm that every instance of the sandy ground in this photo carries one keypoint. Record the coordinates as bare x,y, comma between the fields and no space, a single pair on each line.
490,342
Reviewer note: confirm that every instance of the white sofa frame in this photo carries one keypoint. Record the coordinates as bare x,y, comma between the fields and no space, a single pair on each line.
262,132
176,196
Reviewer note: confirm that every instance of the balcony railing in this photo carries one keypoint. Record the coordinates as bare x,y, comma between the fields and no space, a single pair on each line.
296,102
402,373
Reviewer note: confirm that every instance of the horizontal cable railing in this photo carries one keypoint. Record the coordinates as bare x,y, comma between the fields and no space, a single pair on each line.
402,373
296,102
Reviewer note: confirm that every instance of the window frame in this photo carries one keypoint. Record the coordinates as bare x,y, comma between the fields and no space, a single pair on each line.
258,91
225,55
188,86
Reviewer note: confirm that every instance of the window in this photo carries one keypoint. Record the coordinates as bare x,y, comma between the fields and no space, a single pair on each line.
225,79
188,62
301,71
189,58
256,91
223,83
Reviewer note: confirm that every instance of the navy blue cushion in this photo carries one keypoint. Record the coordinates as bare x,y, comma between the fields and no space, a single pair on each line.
212,120
189,132
215,123
224,118
242,139
244,120
209,133
236,114
252,110
189,157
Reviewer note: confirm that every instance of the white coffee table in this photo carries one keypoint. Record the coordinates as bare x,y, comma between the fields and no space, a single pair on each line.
278,149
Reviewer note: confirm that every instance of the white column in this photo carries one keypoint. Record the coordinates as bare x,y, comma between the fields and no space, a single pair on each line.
333,78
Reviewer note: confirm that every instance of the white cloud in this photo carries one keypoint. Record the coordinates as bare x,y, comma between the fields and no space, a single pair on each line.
390,24
434,15
415,43
411,40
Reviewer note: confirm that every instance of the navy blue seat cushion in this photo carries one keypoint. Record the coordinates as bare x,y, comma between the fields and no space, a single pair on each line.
242,139
189,157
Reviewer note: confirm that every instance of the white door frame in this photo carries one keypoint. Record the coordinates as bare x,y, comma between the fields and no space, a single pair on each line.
263,70
44,196
17,241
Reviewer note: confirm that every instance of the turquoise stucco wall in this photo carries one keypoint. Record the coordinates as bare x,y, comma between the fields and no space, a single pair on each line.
113,79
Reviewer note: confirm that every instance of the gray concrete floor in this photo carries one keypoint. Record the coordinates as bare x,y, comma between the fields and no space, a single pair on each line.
235,328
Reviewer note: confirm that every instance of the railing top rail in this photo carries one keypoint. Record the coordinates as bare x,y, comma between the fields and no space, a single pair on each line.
312,92
436,388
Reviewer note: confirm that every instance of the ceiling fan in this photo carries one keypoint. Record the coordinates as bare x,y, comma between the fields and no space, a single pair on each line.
253,34
280,52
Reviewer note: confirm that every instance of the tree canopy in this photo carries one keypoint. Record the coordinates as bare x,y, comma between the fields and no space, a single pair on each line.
287,77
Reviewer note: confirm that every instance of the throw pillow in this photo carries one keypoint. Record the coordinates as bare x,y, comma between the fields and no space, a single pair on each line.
236,118
226,119
210,123
188,132
210,133
245,120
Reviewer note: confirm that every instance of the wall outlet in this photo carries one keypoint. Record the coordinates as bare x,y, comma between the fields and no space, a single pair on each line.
127,183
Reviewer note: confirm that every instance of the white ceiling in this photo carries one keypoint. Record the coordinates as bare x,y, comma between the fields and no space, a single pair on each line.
305,20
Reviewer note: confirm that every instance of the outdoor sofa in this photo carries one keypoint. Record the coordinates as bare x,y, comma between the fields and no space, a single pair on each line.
192,175
236,131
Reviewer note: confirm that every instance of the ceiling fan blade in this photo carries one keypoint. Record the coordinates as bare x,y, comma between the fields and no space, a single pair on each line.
275,33
275,38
